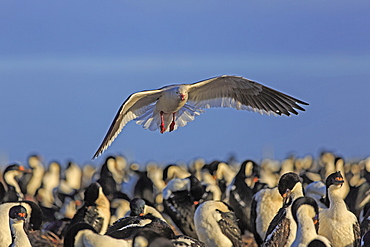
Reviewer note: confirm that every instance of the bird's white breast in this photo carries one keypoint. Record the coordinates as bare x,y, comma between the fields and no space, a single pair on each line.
169,102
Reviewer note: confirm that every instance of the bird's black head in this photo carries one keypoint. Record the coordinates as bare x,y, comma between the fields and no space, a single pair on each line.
18,212
91,193
137,206
213,166
335,178
305,200
317,243
196,188
165,173
249,168
338,159
69,239
14,167
104,170
287,182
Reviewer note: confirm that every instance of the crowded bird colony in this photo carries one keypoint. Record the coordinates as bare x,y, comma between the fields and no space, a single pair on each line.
299,201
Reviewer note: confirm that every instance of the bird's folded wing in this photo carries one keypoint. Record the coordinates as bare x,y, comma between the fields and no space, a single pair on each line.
242,94
135,105
229,227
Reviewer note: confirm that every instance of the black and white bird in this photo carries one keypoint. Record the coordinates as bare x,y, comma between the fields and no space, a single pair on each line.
337,223
240,192
128,227
282,229
172,171
222,172
265,205
17,217
216,225
106,178
306,214
144,187
172,106
180,198
32,222
138,207
11,173
35,180
84,235
95,209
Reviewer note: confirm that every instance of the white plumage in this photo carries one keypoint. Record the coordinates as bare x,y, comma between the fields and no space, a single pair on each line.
216,225
337,223
282,229
5,232
17,217
306,213
176,105
265,205
84,235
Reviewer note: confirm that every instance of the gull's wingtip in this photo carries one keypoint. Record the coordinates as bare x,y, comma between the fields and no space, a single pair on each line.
98,153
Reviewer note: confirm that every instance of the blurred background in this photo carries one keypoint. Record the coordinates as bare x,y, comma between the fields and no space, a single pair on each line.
67,66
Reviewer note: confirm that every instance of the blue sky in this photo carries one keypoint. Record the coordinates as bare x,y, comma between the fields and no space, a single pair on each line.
66,67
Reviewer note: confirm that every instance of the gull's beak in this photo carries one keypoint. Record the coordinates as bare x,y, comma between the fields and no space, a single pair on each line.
182,96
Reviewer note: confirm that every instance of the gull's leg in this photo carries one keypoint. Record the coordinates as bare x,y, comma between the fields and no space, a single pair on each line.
172,126
163,129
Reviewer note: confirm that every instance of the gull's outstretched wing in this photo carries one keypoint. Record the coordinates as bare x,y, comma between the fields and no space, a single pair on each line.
134,106
242,94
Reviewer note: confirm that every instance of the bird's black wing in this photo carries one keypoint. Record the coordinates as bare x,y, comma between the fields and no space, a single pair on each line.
240,200
181,210
357,234
229,227
277,230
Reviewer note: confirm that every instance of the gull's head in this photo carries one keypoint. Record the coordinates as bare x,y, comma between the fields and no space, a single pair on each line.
182,92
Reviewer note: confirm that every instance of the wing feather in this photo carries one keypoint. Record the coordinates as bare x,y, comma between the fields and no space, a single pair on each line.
242,94
278,230
229,227
133,107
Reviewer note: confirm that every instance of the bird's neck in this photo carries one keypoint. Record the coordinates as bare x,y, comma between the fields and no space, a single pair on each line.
19,237
297,191
224,171
306,229
337,204
11,182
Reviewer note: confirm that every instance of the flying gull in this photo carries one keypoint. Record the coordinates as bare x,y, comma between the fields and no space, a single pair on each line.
175,105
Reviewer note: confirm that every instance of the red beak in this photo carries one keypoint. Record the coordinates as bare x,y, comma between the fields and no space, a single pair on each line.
182,96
